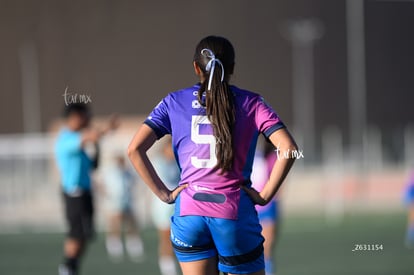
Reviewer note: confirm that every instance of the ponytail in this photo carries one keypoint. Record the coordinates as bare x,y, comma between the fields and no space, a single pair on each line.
219,104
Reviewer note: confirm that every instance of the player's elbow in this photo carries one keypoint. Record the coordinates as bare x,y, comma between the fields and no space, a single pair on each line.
295,152
293,146
135,150
131,151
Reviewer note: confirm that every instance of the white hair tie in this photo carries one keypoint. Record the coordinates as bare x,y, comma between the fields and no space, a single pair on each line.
211,65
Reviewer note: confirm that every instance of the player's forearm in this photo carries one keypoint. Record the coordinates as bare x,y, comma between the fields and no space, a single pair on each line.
285,148
146,170
279,172
137,153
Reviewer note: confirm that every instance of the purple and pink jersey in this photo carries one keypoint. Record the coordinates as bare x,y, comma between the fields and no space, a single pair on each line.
210,192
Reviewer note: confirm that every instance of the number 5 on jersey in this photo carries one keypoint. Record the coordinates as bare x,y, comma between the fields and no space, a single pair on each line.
198,138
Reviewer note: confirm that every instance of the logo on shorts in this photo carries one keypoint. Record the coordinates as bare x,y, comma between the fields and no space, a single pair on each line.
179,242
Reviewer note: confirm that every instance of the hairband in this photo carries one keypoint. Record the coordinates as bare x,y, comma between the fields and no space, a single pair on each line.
211,65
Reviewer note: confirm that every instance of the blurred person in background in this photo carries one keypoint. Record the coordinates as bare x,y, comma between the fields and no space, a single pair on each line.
409,200
166,167
119,186
264,160
75,166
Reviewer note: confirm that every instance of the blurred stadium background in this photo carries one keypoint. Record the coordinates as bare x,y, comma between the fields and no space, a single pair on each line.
339,73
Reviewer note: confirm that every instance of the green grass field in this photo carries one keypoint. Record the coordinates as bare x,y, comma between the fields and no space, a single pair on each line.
307,246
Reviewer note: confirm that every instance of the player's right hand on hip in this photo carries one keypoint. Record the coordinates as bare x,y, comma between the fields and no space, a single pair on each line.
174,194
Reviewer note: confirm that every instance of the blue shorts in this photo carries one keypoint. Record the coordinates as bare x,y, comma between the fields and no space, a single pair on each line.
270,214
238,244
409,194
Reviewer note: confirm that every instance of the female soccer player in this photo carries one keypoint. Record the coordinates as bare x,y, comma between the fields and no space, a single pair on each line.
214,128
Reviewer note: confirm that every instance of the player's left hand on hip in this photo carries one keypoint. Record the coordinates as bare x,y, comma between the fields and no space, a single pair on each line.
254,195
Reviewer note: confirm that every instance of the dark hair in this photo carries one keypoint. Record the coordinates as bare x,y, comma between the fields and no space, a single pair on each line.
79,108
219,100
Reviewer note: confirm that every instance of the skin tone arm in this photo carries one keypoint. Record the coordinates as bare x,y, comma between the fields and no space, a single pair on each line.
282,140
137,153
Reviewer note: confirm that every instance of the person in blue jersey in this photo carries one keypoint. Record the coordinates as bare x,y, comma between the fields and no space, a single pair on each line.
214,128
75,167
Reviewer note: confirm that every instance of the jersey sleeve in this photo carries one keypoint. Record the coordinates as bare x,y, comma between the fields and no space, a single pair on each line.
267,121
159,119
